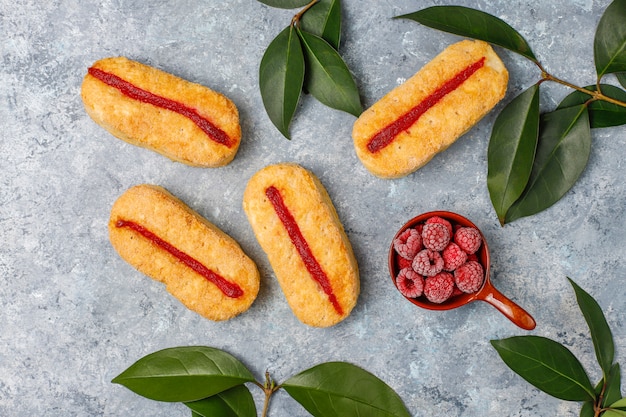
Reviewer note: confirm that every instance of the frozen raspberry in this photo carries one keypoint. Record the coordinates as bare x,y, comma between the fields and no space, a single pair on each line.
469,276
441,220
439,288
453,257
435,236
468,239
456,291
428,263
410,283
408,243
404,263
472,257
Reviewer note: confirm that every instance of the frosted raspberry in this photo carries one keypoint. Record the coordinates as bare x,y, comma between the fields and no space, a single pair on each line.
468,239
428,263
404,263
439,288
441,220
453,257
408,243
456,291
435,236
410,283
469,276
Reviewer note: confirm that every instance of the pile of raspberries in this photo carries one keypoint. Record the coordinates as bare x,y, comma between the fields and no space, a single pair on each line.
438,260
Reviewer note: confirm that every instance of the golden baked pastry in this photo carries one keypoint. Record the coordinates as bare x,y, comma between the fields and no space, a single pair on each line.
297,226
422,117
147,107
199,264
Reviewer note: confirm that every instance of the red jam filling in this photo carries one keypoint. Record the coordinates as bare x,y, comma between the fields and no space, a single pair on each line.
384,137
311,264
228,288
213,132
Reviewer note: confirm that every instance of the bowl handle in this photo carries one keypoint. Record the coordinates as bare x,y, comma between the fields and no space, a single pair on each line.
512,311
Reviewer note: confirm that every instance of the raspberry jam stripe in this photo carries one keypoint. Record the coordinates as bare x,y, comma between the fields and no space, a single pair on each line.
384,137
229,289
311,264
213,132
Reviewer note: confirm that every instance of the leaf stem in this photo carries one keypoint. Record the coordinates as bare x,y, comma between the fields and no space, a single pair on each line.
595,95
269,388
295,21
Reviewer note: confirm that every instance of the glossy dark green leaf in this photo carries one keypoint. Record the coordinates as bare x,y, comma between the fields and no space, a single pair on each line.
512,150
337,389
613,392
547,365
235,402
621,77
286,4
474,24
609,48
324,20
281,75
601,113
328,78
562,154
587,409
600,332
184,374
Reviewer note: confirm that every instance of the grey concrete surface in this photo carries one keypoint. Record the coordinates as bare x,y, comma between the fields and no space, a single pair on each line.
73,315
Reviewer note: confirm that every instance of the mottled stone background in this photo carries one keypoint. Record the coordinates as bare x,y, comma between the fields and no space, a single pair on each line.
73,315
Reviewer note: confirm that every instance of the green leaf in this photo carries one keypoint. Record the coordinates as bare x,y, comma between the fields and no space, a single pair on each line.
235,402
621,77
600,331
341,389
281,75
613,391
324,20
621,403
614,413
286,4
601,113
184,374
474,24
562,154
587,409
512,150
328,78
609,46
547,365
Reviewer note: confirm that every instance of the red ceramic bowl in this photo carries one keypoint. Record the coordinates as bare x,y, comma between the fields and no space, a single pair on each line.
487,292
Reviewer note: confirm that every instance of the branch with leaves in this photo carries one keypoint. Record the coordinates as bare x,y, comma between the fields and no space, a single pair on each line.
533,159
211,382
553,368
304,57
